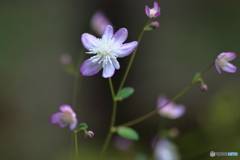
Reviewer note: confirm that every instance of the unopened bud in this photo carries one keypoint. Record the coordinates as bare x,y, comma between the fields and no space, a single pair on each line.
89,134
204,87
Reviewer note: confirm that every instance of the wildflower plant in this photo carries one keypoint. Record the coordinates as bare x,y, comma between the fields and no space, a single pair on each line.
104,52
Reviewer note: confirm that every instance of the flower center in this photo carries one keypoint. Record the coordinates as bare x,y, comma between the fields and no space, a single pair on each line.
104,49
221,62
67,117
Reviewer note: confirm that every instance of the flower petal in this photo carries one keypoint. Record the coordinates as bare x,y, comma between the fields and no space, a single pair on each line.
108,70
121,35
108,32
179,110
115,63
65,108
229,68
88,40
56,117
126,49
217,67
73,125
88,68
155,6
161,101
147,11
229,56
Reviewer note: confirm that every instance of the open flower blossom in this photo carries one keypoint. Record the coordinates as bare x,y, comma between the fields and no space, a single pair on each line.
98,22
171,110
107,50
222,62
153,12
65,117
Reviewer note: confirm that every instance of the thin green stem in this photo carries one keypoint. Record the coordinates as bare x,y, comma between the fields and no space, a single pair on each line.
132,58
110,132
140,119
76,144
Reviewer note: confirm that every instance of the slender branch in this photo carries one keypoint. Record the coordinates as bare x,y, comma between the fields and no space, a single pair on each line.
140,119
110,132
76,144
132,58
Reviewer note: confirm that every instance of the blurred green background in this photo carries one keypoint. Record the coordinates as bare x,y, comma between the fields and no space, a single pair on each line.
33,35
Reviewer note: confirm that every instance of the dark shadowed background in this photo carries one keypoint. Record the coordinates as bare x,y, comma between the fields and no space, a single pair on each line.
34,34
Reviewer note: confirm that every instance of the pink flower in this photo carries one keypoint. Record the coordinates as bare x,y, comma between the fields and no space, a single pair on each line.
107,50
171,110
98,22
153,12
89,134
222,62
66,117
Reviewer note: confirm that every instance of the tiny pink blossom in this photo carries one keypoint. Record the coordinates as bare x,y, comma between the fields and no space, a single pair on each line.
204,87
66,117
107,50
222,62
155,24
171,110
153,12
99,21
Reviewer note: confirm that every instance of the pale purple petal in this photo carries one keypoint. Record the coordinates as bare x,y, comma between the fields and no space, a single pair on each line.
73,125
65,108
108,32
99,21
88,40
217,67
155,6
161,101
115,63
126,49
229,56
55,118
178,111
228,67
121,35
156,14
221,55
108,70
147,11
89,69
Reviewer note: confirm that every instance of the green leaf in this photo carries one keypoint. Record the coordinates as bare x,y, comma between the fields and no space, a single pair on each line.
82,126
128,133
124,93
196,78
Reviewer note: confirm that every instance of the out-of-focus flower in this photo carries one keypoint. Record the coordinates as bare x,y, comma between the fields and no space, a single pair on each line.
171,110
65,117
99,21
222,62
107,50
122,143
153,12
154,24
166,150
65,59
204,87
89,134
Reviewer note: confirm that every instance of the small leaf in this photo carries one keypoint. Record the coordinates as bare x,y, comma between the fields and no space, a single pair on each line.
196,78
82,126
124,93
128,133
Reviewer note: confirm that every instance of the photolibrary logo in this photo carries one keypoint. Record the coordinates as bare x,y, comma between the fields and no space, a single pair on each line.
212,153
